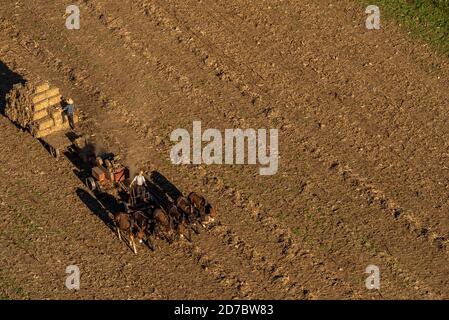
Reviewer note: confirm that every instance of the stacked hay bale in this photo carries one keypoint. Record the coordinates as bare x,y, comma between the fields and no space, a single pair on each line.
36,108
18,104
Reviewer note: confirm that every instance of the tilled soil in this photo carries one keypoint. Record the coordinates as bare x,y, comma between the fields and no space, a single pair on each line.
363,175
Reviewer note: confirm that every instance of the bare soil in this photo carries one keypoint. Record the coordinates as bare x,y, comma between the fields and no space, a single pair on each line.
364,150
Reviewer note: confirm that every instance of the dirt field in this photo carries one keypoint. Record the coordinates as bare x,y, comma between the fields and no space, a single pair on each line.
363,135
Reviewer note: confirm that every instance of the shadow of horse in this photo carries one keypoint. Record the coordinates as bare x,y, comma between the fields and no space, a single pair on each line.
8,79
105,206
165,186
101,208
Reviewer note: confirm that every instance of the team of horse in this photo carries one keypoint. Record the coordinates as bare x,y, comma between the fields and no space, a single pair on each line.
175,221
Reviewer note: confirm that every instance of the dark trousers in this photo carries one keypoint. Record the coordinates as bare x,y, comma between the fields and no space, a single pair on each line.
71,118
72,121
140,191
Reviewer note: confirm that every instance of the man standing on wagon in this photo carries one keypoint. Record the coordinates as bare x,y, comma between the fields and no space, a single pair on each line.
140,184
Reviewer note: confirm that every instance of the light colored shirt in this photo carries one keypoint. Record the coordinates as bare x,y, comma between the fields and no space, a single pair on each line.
140,180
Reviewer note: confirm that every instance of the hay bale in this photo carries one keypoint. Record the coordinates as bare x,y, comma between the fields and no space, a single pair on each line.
61,126
42,133
40,114
45,95
44,104
37,108
45,132
55,111
39,97
41,87
43,124
58,118
19,105
56,100
27,104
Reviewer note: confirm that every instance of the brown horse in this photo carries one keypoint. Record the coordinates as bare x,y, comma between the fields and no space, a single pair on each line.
210,212
179,223
142,226
124,222
190,213
186,208
197,200
163,224
206,211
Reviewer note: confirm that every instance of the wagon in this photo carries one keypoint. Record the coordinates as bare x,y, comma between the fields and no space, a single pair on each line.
39,109
107,174
56,143
104,173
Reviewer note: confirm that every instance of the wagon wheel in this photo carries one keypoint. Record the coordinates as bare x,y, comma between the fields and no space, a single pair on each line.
99,187
54,152
90,183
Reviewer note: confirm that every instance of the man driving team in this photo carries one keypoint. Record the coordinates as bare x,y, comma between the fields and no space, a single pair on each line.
140,183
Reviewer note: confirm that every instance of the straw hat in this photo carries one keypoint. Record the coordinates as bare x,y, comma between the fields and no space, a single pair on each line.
70,101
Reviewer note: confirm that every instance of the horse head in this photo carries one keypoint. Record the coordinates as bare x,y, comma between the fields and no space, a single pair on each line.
211,212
